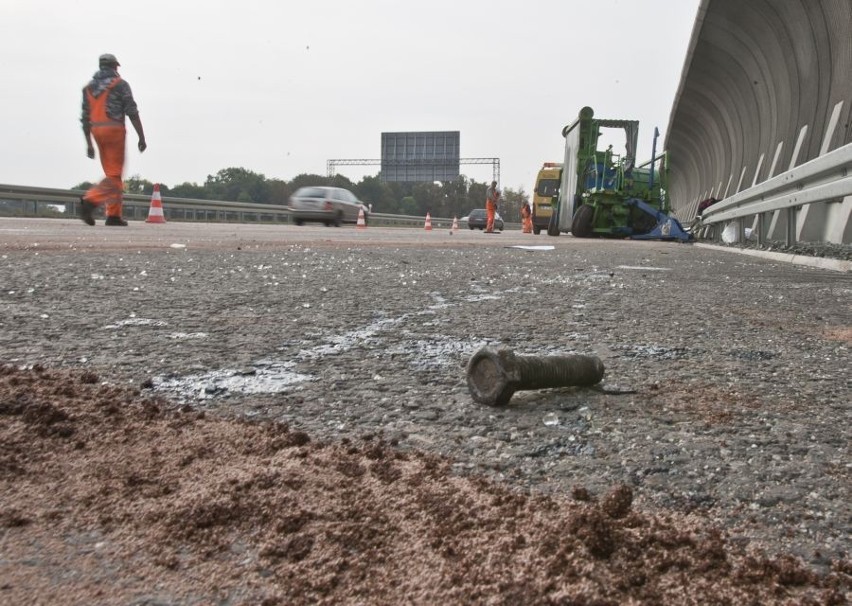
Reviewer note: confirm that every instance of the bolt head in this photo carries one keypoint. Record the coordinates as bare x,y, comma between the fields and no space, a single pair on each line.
490,376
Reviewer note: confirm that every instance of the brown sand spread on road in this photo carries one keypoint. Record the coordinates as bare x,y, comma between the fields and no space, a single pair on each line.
111,496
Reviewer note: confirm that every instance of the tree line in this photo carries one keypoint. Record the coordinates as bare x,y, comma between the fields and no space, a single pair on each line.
449,199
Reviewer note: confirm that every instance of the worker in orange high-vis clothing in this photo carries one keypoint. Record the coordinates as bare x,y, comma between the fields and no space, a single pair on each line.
107,99
492,195
526,218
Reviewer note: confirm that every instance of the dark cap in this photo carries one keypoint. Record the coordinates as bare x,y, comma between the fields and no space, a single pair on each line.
108,59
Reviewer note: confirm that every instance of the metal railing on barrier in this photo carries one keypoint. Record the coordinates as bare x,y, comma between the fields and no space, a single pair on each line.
28,201
823,179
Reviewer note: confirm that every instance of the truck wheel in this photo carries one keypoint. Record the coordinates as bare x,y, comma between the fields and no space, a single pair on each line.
581,226
552,226
536,230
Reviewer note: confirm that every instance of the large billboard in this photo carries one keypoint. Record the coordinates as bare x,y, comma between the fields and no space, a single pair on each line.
420,156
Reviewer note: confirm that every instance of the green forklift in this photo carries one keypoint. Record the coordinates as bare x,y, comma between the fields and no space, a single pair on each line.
604,194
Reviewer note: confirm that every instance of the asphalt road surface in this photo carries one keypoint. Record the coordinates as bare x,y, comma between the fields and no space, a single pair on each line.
727,382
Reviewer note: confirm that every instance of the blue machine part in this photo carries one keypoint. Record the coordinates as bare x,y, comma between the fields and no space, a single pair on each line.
667,228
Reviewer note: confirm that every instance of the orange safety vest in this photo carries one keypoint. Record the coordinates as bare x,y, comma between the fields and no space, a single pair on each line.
97,107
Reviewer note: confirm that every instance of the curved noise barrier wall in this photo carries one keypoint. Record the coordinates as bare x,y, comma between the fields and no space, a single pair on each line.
766,86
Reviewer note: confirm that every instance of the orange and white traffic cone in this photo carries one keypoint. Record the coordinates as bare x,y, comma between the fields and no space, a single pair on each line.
155,212
428,226
362,222
455,224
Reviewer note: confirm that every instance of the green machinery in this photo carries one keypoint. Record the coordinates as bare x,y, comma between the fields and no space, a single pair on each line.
604,194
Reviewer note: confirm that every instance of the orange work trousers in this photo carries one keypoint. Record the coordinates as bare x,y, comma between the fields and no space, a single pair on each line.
527,224
110,141
490,210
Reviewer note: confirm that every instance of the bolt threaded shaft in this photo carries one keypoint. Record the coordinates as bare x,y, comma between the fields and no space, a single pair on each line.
542,372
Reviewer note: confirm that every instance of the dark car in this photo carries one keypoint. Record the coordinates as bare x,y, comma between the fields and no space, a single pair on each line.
478,219
329,205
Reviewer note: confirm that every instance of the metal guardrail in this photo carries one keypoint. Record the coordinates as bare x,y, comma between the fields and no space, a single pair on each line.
136,205
823,179
41,202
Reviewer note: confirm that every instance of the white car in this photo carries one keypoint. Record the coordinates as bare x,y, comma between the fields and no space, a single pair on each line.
329,205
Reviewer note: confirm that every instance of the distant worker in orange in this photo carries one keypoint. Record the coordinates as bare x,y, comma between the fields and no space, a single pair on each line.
526,218
107,99
492,196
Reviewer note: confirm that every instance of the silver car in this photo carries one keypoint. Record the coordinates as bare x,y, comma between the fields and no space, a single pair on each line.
478,219
329,205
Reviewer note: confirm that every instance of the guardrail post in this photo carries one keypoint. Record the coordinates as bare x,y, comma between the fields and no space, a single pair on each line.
790,236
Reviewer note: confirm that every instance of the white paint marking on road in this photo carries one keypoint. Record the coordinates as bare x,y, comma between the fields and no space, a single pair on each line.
541,247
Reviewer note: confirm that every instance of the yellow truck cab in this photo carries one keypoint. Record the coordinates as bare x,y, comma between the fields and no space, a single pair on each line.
545,195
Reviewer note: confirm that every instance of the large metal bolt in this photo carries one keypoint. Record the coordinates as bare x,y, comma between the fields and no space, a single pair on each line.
494,375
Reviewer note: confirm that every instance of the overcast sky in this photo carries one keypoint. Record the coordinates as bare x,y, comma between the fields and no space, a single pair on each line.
280,87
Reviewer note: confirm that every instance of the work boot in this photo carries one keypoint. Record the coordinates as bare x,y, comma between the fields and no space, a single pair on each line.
115,221
86,212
